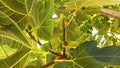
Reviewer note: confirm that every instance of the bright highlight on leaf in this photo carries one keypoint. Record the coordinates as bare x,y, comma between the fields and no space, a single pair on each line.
54,16
118,36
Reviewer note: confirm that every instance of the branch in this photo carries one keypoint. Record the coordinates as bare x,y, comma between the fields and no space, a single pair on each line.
64,30
65,43
33,38
54,53
110,13
60,56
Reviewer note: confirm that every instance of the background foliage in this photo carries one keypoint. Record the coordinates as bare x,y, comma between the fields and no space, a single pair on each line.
84,33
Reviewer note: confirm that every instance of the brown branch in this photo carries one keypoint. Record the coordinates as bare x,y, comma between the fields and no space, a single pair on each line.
110,13
54,53
33,38
52,62
64,38
49,64
64,30
60,56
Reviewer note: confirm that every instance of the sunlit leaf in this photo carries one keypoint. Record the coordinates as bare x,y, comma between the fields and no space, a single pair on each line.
6,51
14,59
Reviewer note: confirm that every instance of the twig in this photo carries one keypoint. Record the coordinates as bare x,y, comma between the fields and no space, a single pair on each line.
60,56
33,38
56,54
64,38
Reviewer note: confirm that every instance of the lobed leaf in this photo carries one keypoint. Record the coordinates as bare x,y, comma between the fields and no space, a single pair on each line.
14,10
16,59
87,55
13,29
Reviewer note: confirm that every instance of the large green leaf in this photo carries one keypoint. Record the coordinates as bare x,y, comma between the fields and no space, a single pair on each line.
13,36
12,30
41,17
87,55
15,10
17,60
